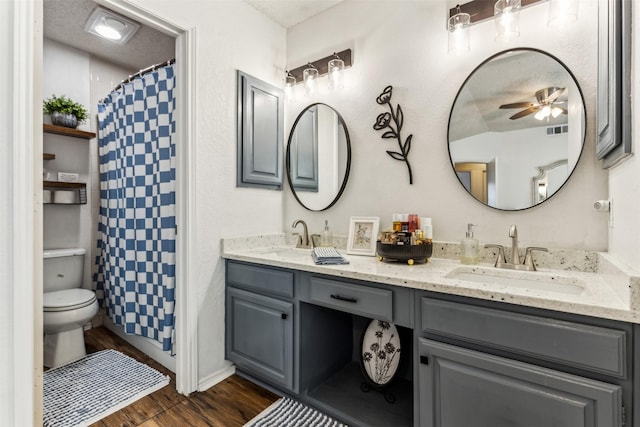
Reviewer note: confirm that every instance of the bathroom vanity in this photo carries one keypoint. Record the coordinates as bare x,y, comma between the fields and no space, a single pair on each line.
470,349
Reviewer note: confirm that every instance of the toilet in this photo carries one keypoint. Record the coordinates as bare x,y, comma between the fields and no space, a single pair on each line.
67,307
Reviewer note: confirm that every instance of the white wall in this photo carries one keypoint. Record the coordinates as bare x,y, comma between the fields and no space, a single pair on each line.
230,35
404,44
624,179
67,72
518,154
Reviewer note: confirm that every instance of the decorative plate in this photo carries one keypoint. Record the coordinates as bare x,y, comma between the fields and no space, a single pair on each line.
380,352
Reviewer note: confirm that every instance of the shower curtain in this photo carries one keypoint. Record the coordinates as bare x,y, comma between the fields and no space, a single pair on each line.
135,261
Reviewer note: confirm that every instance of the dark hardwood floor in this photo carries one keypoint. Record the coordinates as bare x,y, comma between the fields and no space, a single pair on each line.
230,403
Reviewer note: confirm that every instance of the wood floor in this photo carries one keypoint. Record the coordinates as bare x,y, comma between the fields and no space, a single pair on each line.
229,403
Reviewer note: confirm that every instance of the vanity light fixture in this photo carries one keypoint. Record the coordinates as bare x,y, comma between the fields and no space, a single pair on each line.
507,19
333,65
458,27
111,26
562,12
336,73
309,76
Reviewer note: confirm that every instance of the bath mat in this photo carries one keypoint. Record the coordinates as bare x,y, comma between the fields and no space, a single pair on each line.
291,413
99,384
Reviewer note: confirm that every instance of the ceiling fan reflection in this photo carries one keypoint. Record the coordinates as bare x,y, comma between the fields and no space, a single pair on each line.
545,107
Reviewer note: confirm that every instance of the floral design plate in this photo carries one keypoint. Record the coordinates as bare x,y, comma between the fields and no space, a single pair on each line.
380,351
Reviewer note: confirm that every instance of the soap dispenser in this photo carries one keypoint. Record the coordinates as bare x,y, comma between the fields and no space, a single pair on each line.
469,247
326,238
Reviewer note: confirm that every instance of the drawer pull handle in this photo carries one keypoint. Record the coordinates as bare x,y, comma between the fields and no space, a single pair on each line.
341,298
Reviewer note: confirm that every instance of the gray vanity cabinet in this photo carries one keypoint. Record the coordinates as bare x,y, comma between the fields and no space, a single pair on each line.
482,366
461,387
259,322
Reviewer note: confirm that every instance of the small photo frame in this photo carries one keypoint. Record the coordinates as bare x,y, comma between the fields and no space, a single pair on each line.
363,234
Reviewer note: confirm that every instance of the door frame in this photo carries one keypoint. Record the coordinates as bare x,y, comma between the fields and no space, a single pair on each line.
186,308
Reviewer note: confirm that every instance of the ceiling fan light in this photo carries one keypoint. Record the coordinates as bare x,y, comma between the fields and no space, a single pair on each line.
539,115
555,112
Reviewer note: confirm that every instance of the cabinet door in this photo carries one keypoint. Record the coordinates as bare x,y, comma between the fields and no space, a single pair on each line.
613,104
463,388
259,337
303,152
260,133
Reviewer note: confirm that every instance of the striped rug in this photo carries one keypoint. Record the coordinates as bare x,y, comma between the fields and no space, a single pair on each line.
286,412
99,384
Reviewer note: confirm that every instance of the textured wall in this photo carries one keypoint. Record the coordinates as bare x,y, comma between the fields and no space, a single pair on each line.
230,35
404,44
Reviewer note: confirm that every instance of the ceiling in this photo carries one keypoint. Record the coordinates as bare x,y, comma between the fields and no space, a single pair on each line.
288,13
64,22
521,74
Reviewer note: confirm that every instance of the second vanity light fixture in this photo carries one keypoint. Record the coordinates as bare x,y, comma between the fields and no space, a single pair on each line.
506,16
308,74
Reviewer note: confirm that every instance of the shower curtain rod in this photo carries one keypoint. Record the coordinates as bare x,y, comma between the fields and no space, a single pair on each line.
143,72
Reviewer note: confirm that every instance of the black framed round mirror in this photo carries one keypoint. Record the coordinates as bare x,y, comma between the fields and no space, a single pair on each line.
318,157
517,129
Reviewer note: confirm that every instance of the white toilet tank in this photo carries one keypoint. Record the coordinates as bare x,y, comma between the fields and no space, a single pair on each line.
63,269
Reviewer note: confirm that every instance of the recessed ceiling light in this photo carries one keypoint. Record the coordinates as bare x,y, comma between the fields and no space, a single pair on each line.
111,26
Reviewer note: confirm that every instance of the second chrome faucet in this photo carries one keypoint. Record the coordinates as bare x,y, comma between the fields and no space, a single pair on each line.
515,263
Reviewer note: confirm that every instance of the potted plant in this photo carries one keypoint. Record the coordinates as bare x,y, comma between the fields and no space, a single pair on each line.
64,111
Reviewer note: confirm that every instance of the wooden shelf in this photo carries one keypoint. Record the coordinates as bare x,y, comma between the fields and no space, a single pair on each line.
48,156
75,133
60,184
79,187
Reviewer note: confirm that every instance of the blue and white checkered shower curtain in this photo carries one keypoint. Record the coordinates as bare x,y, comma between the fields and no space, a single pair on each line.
135,262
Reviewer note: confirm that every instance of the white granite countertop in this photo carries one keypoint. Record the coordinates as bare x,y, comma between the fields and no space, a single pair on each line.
605,289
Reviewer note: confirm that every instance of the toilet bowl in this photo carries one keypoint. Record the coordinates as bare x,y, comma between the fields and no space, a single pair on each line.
65,314
67,307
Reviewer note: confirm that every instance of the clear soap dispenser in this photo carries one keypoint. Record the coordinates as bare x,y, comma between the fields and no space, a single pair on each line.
326,238
469,247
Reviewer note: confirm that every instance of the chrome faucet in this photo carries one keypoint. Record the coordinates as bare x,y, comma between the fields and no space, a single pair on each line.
303,241
527,264
515,255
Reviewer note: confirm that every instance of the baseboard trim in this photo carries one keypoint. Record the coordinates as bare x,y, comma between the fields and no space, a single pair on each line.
213,379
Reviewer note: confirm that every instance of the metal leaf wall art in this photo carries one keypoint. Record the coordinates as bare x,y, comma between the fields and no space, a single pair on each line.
391,122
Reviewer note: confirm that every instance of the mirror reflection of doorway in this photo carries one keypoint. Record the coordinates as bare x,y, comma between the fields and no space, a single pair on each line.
474,178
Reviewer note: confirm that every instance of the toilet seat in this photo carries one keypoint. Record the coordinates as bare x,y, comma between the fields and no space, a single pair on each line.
69,299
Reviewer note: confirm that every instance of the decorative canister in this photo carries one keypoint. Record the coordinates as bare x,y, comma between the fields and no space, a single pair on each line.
64,119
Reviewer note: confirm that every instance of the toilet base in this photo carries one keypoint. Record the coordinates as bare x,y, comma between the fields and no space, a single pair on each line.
63,347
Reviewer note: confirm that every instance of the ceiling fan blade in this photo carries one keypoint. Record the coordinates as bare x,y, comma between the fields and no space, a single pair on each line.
517,105
524,113
555,94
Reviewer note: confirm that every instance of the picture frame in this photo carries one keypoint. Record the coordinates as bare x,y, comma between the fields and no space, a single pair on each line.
363,235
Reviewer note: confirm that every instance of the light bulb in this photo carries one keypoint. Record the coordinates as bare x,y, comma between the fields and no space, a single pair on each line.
556,111
309,76
459,37
336,74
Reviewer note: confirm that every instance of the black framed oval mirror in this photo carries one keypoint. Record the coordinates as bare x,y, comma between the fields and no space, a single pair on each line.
318,157
517,129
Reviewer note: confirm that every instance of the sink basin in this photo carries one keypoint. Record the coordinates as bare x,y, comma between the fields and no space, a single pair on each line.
523,280
287,253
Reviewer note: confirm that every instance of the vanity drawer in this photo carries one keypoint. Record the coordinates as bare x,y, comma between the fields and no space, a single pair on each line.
361,300
588,347
262,279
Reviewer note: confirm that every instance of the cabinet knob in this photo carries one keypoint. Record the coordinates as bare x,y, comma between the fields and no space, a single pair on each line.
284,316
424,360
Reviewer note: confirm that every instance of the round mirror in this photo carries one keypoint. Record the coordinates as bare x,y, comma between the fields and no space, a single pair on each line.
318,157
516,129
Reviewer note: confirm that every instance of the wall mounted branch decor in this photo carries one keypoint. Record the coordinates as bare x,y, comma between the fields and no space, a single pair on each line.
393,121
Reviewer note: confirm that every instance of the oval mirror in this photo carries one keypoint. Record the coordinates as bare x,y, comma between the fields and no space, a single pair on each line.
318,157
516,129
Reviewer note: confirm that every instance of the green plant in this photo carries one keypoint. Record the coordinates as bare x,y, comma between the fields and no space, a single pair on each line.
65,105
